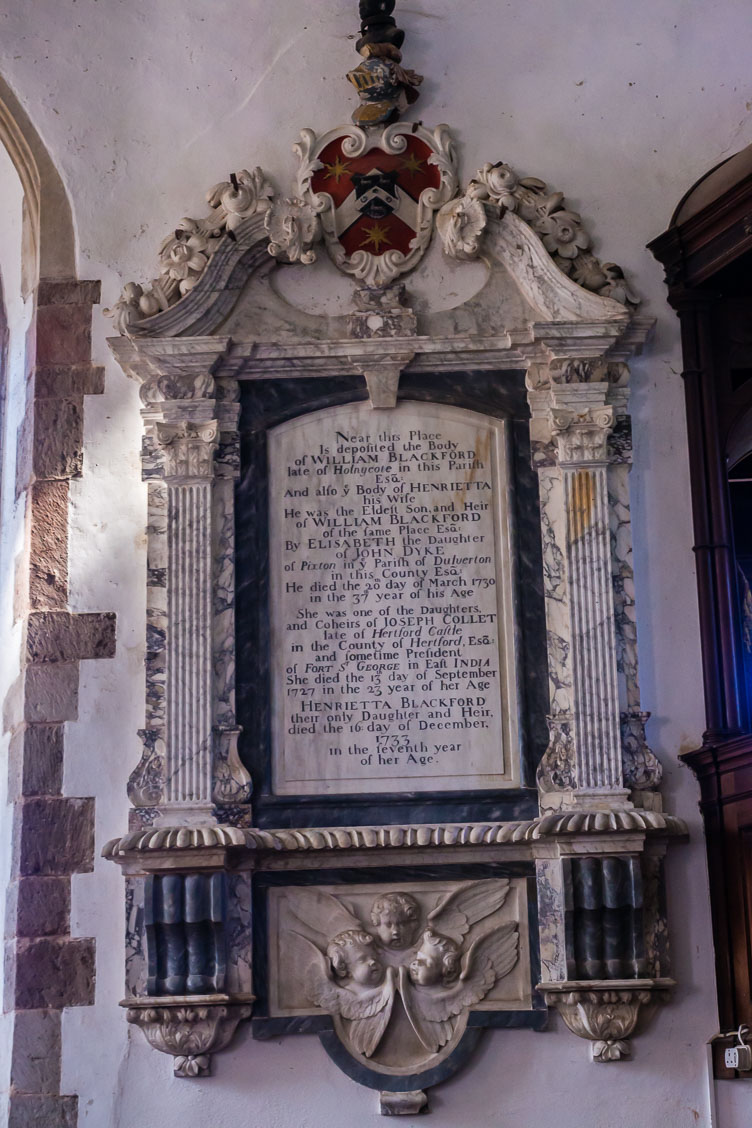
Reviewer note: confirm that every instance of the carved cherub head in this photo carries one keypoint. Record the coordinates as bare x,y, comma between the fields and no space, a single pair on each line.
396,918
354,957
436,961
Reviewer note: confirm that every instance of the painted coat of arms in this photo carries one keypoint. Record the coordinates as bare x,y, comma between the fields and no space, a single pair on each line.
376,192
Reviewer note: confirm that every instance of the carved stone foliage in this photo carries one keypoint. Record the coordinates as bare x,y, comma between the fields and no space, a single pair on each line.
461,224
606,1015
376,192
433,954
293,227
557,769
184,254
146,781
562,231
191,1032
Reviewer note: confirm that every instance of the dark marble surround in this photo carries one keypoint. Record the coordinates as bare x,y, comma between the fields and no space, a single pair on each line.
264,405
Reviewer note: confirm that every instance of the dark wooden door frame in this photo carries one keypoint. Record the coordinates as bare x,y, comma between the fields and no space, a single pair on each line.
695,254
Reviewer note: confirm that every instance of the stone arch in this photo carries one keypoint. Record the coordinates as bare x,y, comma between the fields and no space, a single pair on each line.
50,219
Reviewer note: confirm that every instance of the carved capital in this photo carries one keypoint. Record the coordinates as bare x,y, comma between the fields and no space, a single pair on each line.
188,449
190,1028
582,436
604,1013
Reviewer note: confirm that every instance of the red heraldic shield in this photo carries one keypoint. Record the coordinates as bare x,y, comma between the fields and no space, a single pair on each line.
376,195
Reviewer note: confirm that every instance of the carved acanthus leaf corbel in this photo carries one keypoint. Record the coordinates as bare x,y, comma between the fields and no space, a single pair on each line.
190,1030
604,1013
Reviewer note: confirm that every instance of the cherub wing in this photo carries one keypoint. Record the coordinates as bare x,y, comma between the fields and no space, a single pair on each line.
431,1010
433,1033
367,1009
463,908
321,916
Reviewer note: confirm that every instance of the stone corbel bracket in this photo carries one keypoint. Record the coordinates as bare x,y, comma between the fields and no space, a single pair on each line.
607,1013
190,1028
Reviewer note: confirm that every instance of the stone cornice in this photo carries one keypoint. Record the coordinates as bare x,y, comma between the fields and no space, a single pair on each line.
189,842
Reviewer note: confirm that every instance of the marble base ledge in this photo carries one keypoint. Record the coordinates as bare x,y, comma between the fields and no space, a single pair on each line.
606,1012
189,1027
403,1104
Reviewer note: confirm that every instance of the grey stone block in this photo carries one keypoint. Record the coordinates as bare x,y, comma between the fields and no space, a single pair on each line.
35,1062
51,692
56,836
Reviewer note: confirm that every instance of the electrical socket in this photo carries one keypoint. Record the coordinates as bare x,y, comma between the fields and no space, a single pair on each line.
738,1057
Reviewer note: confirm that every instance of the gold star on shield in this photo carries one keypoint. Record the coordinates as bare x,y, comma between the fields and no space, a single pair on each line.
337,170
413,164
376,235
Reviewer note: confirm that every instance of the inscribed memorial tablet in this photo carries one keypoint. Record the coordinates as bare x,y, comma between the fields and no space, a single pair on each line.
391,602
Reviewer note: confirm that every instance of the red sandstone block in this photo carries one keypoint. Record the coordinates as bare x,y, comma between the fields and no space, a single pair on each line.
54,836
58,450
38,906
59,636
35,760
55,973
51,692
68,291
27,1110
59,380
63,334
48,580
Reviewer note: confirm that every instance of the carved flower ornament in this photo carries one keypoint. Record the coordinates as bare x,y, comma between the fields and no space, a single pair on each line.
563,234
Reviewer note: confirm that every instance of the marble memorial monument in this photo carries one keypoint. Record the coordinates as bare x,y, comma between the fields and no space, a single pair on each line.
394,785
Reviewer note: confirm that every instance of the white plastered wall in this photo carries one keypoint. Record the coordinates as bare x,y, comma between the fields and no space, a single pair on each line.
143,107
12,512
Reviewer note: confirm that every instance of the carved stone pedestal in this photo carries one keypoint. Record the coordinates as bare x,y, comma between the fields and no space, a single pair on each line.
403,1104
606,1013
190,1027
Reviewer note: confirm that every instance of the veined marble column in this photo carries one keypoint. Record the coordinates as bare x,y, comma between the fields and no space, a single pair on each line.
189,450
581,431
571,425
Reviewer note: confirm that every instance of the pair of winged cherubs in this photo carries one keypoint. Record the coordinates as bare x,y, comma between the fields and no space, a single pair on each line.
438,972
